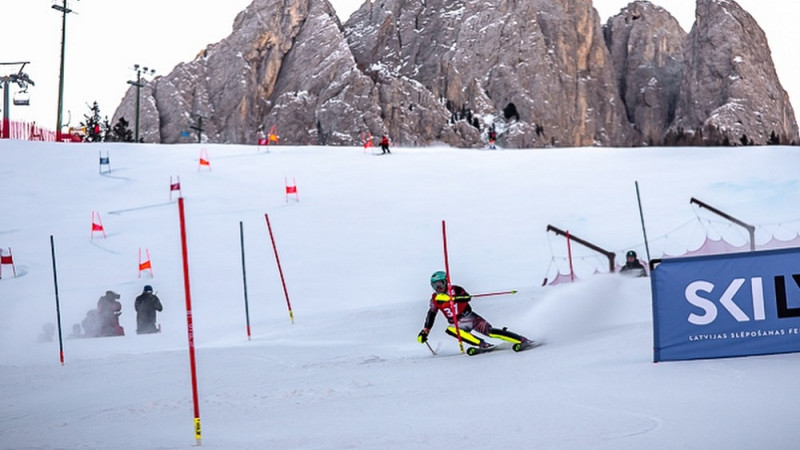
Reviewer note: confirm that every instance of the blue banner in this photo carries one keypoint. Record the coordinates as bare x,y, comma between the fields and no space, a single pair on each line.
727,305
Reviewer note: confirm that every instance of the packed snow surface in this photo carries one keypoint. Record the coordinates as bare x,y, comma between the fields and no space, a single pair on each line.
357,246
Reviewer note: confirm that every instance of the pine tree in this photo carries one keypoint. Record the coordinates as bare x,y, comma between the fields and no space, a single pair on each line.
121,132
94,131
774,139
106,129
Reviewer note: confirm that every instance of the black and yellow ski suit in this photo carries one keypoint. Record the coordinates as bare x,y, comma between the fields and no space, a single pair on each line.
468,320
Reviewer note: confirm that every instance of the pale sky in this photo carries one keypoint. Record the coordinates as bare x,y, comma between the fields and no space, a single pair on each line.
105,38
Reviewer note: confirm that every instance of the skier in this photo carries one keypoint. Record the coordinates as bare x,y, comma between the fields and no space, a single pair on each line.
468,320
632,267
385,145
146,306
492,138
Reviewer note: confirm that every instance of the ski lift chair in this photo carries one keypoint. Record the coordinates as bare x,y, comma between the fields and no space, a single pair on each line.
22,98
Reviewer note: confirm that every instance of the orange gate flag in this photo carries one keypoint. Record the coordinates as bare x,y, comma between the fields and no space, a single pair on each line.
145,265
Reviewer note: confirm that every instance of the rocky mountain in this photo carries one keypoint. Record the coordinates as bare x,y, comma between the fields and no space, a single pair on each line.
646,45
730,92
540,72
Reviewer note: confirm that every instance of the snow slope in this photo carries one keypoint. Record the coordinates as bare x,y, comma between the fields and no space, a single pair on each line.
357,250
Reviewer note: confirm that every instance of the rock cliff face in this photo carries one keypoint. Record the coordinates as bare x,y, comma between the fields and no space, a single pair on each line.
646,45
730,92
543,62
283,62
541,72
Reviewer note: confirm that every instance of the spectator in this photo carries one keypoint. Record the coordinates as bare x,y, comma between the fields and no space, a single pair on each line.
633,267
146,306
104,320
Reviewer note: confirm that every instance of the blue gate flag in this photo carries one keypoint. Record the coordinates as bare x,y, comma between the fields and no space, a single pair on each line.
718,306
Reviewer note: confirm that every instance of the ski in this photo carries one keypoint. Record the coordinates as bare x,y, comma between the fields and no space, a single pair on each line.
472,351
525,346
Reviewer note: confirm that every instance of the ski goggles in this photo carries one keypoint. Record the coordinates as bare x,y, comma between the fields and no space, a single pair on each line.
438,285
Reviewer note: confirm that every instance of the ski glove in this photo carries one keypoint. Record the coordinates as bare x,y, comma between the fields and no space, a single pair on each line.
422,337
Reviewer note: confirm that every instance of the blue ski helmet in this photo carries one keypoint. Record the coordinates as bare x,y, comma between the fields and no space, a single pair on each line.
439,276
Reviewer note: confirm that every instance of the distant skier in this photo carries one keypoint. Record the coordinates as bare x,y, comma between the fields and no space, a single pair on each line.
468,320
146,306
385,145
632,267
492,138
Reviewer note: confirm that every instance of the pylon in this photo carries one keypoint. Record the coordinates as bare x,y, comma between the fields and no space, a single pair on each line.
291,189
7,260
145,265
175,186
97,226
204,160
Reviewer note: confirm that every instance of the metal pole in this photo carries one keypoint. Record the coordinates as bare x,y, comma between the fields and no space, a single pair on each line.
58,305
64,11
138,87
751,229
244,280
610,255
6,121
641,217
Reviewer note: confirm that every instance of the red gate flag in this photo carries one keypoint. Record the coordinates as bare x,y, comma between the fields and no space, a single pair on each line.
7,260
97,226
291,189
175,186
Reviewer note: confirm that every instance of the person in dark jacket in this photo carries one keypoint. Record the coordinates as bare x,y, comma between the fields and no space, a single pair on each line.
633,267
468,319
146,306
104,320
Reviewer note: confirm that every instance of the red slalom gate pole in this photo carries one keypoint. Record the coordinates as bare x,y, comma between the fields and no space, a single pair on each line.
189,324
450,288
569,255
280,271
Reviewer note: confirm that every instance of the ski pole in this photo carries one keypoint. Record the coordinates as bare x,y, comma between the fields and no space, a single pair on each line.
430,348
485,294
